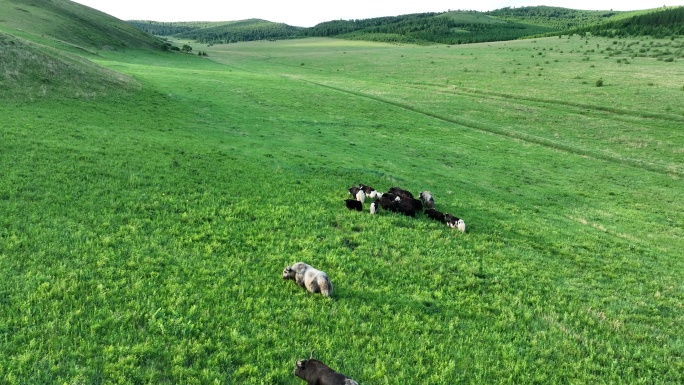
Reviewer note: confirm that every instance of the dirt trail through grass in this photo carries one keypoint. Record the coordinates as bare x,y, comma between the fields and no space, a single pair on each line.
641,164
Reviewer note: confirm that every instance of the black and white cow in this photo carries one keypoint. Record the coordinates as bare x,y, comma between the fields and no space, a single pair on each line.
455,222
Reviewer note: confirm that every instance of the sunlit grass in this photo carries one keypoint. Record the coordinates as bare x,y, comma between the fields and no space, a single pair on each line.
143,234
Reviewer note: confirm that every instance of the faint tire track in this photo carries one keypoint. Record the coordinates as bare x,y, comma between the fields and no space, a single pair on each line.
513,134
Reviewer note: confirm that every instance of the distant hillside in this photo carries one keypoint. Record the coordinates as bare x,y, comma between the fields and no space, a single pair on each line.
557,18
448,28
160,28
221,32
457,27
64,22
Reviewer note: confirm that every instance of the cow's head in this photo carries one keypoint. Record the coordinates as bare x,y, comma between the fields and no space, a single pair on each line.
301,367
289,273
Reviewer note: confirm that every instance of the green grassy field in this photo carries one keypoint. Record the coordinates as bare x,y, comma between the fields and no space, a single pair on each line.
144,232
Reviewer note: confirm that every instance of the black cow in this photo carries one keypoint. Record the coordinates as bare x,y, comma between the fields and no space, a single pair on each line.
315,372
436,215
397,204
401,192
353,204
407,197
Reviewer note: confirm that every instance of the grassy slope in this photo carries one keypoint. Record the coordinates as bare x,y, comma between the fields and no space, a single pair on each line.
29,71
45,47
147,233
70,26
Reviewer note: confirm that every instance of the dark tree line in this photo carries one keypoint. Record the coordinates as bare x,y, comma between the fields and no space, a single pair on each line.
246,30
659,24
168,28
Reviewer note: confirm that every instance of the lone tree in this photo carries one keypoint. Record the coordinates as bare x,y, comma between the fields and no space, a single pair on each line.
186,48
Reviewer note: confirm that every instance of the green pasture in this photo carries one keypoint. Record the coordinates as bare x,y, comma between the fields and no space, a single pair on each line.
144,230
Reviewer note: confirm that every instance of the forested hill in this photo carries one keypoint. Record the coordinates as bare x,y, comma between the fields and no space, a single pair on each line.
160,28
659,24
555,17
222,32
447,28
457,27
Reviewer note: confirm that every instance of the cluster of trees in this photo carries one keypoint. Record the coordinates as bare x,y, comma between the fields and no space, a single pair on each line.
458,27
158,28
660,24
553,17
397,25
244,30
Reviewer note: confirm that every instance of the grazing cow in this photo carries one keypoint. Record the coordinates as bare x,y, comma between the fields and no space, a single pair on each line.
406,207
408,197
375,194
416,203
394,203
353,204
401,192
315,372
354,190
455,222
358,193
436,215
367,189
374,207
427,199
360,196
387,200
312,279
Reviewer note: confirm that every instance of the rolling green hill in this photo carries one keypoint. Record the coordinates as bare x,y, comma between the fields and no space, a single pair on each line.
243,30
44,46
70,25
29,71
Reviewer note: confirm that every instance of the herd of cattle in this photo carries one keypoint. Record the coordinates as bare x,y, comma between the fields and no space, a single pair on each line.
401,201
397,200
